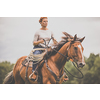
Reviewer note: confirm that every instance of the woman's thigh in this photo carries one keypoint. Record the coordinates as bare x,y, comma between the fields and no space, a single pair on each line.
37,52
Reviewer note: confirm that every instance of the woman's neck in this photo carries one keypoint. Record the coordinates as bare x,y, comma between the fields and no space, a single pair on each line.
44,28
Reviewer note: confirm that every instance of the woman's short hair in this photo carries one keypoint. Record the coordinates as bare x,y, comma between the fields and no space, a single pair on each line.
41,18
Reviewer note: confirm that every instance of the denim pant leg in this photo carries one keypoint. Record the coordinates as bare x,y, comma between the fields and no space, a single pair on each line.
34,65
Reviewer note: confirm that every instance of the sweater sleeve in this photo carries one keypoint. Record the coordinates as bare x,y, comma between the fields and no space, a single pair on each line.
36,37
52,35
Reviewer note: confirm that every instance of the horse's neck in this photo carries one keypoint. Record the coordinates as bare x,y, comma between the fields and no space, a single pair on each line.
59,59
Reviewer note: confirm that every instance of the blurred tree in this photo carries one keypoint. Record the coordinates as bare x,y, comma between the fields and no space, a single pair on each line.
91,59
91,71
5,67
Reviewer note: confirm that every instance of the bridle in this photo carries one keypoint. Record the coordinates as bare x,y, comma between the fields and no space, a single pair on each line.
65,69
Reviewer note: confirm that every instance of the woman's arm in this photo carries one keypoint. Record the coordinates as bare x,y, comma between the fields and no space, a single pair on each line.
37,42
54,40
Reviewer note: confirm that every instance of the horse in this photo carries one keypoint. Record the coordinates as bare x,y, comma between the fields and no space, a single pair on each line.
52,66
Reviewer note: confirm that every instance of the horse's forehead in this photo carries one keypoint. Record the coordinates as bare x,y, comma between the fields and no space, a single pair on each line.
77,44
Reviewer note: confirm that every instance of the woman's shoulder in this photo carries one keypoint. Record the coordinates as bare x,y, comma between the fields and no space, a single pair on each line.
38,30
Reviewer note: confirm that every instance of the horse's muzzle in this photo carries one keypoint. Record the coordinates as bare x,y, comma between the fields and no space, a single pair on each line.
81,65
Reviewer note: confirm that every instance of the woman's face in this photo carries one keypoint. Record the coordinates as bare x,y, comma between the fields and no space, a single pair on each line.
44,22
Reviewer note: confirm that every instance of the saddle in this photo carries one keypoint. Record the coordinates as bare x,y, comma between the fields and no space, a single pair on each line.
29,61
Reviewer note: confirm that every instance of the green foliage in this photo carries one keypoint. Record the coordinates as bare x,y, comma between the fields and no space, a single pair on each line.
91,71
91,59
5,67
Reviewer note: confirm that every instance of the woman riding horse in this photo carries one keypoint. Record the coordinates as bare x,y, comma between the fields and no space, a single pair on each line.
51,68
42,34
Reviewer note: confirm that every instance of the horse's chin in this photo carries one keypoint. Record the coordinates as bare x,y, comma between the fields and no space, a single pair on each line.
79,66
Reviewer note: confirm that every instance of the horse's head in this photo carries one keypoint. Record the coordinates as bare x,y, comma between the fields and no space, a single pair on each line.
75,51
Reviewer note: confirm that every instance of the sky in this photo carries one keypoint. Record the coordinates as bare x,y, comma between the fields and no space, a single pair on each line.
16,34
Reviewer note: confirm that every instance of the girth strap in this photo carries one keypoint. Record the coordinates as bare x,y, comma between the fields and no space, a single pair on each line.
26,79
51,70
55,76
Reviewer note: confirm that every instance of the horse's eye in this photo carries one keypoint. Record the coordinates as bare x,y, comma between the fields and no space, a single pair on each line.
75,48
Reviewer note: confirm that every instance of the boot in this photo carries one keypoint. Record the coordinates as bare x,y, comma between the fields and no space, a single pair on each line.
33,76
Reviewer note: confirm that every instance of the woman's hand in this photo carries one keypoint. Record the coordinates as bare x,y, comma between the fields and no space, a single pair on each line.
38,42
54,40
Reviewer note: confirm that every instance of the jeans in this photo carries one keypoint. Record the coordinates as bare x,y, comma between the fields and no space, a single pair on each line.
36,52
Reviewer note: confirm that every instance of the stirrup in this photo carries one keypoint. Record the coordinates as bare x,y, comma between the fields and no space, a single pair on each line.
32,78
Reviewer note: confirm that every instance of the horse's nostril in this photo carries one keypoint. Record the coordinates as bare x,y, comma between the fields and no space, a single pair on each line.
81,64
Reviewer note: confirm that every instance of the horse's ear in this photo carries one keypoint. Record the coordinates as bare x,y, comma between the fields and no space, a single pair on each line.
67,35
81,40
75,37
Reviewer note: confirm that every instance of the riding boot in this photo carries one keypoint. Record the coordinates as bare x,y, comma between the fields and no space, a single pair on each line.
33,76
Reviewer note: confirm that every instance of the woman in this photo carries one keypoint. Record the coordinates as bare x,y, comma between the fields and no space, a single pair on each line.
42,34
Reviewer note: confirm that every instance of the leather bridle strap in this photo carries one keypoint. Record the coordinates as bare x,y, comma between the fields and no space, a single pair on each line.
61,54
56,78
72,74
72,63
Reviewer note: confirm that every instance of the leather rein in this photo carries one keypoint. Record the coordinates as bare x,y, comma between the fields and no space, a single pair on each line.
65,69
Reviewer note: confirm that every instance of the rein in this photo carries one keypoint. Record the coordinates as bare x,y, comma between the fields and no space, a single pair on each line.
73,64
77,69
57,78
65,69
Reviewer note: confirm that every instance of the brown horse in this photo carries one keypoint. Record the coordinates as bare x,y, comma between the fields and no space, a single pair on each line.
52,69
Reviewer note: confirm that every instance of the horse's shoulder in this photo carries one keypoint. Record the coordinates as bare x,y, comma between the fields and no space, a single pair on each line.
22,58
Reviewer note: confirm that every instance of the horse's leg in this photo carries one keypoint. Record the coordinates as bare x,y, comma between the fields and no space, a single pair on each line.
48,82
19,80
16,71
45,78
17,77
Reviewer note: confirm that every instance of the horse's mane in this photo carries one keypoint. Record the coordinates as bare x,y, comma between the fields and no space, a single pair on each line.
57,46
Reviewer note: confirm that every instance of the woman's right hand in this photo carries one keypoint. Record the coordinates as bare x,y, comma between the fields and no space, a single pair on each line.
38,42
